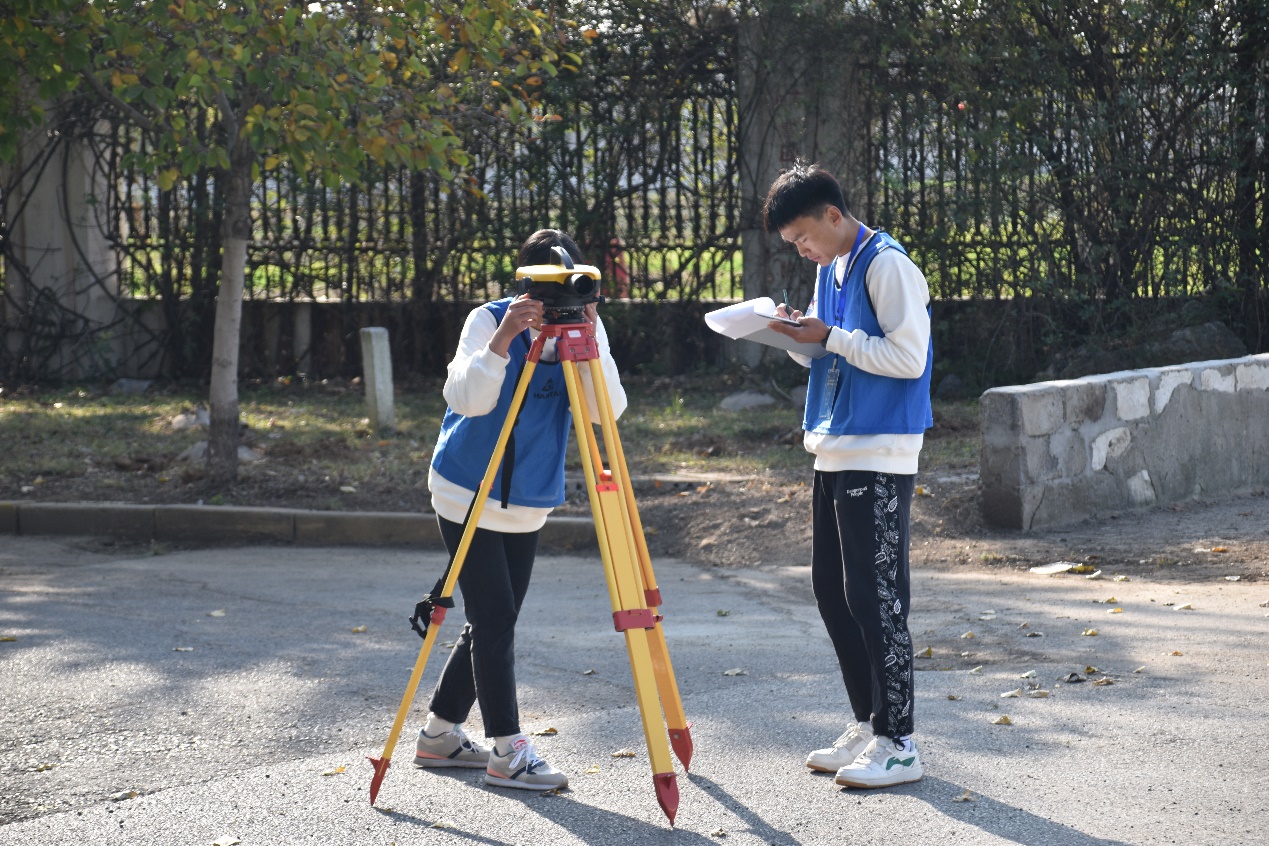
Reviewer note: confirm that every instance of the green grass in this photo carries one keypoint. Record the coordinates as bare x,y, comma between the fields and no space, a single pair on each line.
79,443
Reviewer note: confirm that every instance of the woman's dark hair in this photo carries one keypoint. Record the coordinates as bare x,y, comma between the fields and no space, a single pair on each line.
537,247
803,189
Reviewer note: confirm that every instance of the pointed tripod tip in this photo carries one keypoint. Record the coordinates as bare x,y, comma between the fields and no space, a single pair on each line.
381,769
681,742
667,787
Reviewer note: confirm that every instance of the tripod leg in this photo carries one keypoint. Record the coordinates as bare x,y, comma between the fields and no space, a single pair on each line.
675,718
630,612
382,763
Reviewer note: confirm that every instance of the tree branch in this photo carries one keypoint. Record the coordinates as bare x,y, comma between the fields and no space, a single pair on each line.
128,111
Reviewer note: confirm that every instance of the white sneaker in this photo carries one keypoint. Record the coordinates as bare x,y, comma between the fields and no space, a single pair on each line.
521,767
884,763
844,750
451,748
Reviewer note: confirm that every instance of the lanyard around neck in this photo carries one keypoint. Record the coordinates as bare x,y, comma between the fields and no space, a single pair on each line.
850,262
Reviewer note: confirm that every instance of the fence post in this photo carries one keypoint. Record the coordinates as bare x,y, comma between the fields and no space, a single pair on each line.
376,367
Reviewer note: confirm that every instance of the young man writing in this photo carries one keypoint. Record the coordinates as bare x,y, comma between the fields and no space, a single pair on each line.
867,408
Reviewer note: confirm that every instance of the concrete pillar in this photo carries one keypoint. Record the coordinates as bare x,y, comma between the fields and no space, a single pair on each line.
376,364
302,338
62,271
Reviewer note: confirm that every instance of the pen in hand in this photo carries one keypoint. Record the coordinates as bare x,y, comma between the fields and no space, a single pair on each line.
788,309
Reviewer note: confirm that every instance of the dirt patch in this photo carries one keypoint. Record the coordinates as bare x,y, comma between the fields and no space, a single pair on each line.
767,524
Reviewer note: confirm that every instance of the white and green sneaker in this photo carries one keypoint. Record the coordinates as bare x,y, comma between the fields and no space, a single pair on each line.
451,748
522,767
884,763
844,750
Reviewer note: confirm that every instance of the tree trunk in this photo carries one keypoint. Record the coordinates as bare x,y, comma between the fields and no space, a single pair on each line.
1247,127
222,442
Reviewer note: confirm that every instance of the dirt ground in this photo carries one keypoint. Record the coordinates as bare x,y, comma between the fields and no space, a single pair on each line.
768,525
765,522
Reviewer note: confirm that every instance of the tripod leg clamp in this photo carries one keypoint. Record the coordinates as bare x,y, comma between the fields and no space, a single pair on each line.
637,618
429,611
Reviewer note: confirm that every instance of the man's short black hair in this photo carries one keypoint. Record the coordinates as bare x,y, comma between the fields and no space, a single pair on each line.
536,249
803,189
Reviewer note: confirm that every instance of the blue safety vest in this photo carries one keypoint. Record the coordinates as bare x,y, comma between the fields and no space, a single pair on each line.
862,403
540,435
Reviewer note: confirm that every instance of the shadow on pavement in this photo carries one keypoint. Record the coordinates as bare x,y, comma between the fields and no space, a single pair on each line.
1001,819
757,825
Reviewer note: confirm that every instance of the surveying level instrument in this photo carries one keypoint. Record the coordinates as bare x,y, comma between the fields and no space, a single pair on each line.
565,290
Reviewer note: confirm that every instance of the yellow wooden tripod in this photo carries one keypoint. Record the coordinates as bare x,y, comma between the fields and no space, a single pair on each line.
632,586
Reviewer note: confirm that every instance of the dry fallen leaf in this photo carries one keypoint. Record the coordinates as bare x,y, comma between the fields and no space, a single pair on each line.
334,771
550,731
718,832
227,840
1037,694
1095,576
624,753
1083,568
722,613
1011,694
591,770
182,649
1090,670
1029,674
1002,720
1071,678
953,697
977,671
1034,634
441,824
1090,633
1110,600
359,630
1140,669
965,797
1103,681
123,795
968,635
588,672
1122,579
1220,549
1175,652
928,652
1115,611
219,612
735,671
347,489
1054,568
1185,606
8,639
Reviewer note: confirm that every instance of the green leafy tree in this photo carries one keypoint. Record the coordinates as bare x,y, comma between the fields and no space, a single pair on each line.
241,86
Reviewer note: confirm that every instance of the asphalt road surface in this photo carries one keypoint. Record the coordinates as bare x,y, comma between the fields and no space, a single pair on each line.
228,696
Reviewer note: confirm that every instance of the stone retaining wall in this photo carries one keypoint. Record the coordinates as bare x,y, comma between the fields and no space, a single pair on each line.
1060,452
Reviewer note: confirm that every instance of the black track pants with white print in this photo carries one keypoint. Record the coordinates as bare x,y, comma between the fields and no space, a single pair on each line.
859,570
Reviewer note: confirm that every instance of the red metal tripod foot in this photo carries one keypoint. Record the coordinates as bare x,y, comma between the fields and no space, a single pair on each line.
381,769
681,742
667,787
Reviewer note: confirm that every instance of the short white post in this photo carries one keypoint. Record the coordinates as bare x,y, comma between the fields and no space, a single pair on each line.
376,366
302,338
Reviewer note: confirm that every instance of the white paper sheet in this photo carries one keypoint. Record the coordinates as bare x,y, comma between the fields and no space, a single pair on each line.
748,321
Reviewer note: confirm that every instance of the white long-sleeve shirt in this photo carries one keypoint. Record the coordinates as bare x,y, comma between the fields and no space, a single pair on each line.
900,297
472,388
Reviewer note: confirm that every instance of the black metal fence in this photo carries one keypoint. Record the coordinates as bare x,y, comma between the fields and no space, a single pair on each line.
1015,161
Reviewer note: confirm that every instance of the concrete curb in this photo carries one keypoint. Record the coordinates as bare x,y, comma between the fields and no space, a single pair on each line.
222,524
